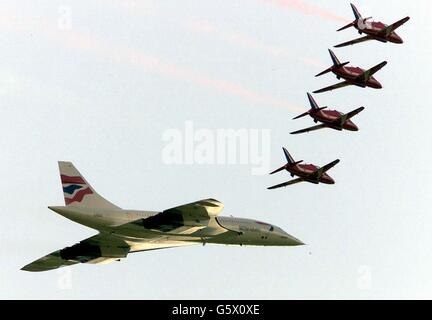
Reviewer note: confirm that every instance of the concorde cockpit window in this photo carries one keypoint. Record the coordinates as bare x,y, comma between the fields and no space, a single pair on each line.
271,228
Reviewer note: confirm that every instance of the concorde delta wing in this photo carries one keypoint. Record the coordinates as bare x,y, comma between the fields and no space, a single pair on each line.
199,210
101,248
186,219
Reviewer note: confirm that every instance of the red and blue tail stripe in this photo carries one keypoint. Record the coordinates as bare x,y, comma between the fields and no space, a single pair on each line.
74,188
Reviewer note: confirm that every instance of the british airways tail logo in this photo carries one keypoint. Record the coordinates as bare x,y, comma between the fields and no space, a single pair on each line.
74,189
70,189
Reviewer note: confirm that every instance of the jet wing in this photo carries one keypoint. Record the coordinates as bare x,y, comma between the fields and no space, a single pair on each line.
327,167
358,40
333,87
318,173
49,262
351,114
320,126
342,119
369,73
202,209
389,29
185,218
288,183
101,248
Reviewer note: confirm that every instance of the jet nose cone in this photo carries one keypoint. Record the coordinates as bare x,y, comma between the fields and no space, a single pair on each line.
327,179
291,241
296,242
351,126
374,83
397,39
299,243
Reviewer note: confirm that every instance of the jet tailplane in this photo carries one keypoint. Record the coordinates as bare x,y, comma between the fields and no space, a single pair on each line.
349,25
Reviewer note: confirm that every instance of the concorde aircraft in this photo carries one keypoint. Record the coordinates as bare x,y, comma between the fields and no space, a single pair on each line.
127,231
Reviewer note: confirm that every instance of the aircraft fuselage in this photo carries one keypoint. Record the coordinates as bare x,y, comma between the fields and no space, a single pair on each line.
351,74
130,225
373,29
328,117
305,170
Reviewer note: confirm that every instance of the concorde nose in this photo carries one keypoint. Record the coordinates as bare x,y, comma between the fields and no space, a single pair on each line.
290,240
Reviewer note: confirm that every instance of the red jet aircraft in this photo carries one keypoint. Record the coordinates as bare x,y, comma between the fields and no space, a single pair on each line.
305,172
373,30
352,75
329,118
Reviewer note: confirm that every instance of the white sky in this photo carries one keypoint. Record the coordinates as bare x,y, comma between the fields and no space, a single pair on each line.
102,92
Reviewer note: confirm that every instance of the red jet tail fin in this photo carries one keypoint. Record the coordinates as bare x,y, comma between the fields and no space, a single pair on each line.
336,64
357,20
290,159
357,14
335,60
312,102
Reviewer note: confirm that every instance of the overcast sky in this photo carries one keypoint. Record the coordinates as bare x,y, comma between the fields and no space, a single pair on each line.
99,82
